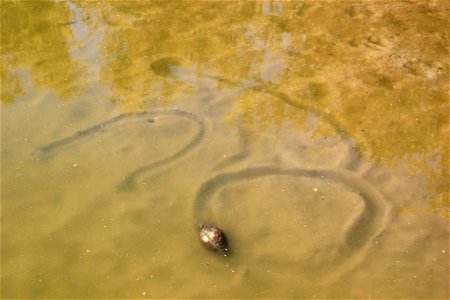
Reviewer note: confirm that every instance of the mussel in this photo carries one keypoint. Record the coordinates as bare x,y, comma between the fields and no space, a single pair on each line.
214,239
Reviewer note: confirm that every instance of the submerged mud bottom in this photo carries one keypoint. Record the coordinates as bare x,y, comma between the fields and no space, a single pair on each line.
48,151
357,237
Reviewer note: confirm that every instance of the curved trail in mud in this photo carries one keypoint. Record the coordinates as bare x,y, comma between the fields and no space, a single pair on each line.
271,90
264,87
357,237
52,149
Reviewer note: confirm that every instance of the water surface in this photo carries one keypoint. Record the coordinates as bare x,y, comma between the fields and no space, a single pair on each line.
314,133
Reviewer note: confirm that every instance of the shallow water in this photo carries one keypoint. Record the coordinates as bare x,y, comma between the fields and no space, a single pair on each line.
313,133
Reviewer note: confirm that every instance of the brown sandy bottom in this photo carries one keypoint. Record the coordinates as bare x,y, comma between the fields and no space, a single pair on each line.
305,231
313,133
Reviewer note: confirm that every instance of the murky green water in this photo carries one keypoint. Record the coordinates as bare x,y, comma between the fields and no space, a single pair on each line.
315,134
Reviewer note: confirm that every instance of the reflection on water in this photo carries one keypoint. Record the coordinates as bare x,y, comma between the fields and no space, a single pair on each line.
45,48
314,133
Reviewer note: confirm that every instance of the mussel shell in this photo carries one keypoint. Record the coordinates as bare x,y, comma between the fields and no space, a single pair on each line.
213,238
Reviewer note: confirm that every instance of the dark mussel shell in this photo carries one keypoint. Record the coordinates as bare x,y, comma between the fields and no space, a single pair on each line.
213,238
